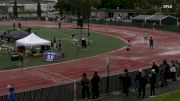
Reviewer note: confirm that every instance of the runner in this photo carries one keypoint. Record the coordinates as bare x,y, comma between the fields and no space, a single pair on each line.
151,43
128,47
145,36
59,24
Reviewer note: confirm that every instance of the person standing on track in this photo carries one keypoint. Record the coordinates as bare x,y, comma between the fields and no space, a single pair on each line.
145,36
59,24
151,43
128,48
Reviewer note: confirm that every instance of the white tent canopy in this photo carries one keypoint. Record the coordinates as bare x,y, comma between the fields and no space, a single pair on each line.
32,40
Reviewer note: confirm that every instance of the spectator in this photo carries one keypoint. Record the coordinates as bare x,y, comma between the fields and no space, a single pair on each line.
172,63
95,85
155,67
138,81
143,83
177,63
126,82
151,43
152,82
161,76
12,93
173,72
19,24
2,37
166,68
85,85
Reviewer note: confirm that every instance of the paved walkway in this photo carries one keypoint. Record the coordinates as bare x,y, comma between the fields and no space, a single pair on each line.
172,86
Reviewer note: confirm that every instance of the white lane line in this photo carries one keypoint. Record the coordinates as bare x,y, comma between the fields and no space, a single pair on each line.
58,75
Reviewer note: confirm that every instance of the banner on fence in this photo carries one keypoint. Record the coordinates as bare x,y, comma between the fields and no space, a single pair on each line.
51,56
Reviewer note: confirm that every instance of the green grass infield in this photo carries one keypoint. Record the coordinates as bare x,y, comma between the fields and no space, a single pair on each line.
173,96
99,44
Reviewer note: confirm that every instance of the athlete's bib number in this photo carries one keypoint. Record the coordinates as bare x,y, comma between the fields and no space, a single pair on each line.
50,58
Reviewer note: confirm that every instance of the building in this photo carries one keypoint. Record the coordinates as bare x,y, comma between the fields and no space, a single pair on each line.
114,13
159,19
6,6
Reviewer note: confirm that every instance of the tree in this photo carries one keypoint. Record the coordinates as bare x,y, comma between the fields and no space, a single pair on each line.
122,4
178,12
157,5
83,7
95,3
39,11
15,9
60,7
151,11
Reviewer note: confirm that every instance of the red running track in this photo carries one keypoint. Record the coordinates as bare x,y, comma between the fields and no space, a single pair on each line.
166,47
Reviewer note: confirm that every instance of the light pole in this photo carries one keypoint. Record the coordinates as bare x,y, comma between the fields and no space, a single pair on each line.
15,9
89,14
48,9
108,73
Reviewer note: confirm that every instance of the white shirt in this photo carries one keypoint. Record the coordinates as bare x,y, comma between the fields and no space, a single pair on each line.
128,45
173,69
